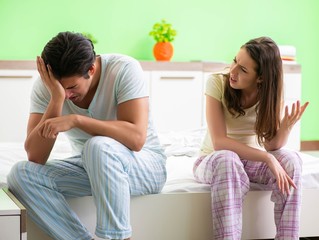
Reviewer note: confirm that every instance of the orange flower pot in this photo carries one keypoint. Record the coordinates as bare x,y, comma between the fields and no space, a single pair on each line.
163,51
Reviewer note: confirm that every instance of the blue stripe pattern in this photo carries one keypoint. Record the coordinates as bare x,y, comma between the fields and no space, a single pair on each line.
106,169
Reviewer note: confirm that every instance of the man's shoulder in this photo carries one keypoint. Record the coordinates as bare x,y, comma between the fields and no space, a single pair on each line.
115,62
117,57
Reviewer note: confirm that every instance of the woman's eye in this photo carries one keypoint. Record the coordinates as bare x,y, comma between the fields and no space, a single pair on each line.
243,70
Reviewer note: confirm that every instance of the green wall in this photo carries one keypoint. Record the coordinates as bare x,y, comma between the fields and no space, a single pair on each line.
211,30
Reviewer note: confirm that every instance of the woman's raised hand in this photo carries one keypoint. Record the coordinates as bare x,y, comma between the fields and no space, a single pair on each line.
290,119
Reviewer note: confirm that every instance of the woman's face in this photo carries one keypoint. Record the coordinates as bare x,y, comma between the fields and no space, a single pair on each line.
243,75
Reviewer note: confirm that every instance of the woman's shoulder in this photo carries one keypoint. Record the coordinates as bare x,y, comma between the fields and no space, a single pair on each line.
215,85
218,75
216,79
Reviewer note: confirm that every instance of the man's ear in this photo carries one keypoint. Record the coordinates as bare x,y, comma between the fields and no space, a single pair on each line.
92,69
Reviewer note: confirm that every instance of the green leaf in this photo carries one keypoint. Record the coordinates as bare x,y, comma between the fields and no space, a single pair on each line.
163,32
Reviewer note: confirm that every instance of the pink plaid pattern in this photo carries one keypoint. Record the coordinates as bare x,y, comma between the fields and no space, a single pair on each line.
230,177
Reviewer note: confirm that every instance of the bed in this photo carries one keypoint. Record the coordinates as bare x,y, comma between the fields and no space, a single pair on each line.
182,209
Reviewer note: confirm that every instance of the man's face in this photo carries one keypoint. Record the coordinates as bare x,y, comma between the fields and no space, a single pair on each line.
76,87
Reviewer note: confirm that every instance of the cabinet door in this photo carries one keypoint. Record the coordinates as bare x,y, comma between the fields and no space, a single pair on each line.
176,100
10,227
292,93
15,87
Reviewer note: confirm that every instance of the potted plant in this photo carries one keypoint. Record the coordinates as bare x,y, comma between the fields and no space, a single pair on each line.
89,36
163,34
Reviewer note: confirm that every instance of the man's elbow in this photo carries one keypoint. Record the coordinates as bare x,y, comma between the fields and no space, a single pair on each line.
138,143
36,159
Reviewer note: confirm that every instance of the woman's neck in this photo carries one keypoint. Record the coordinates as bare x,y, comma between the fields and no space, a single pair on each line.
248,99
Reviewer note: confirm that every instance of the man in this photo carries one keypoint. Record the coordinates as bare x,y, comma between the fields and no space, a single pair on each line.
101,103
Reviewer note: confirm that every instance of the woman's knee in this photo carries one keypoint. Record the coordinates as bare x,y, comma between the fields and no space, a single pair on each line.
221,161
226,157
226,166
289,160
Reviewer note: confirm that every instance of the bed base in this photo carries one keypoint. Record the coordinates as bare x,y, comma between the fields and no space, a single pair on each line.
187,216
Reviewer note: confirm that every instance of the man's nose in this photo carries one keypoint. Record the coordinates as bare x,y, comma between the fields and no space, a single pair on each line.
68,94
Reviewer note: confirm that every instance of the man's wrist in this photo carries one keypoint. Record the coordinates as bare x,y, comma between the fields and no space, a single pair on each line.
76,120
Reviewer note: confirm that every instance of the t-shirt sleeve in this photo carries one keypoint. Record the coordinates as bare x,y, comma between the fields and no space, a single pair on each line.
130,83
215,86
40,97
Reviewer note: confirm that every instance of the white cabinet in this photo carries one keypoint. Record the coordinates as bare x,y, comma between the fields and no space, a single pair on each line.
10,227
15,87
12,217
292,93
176,99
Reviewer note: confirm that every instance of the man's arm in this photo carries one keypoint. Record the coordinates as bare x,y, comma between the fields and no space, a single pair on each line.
37,146
130,127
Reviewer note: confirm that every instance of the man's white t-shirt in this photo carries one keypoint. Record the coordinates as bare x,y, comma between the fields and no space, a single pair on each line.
121,79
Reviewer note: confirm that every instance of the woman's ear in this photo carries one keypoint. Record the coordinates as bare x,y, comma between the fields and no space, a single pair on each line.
259,80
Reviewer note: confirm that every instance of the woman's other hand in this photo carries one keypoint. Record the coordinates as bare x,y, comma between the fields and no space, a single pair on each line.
284,181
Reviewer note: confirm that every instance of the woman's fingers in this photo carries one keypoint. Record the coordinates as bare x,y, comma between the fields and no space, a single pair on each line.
303,108
284,183
291,182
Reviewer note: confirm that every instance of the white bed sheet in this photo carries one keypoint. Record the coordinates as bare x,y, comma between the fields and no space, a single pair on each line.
181,149
12,152
180,176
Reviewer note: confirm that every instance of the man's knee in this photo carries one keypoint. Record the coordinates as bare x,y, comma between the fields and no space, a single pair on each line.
104,149
17,176
98,143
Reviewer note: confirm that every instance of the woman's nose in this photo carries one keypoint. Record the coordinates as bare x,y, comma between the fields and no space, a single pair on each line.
233,69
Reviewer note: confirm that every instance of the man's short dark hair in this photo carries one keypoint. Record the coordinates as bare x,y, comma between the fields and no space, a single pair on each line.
69,54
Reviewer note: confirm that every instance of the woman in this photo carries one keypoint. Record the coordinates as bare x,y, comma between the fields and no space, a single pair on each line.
244,139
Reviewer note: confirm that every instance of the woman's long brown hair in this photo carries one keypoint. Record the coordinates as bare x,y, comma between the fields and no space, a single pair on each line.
265,53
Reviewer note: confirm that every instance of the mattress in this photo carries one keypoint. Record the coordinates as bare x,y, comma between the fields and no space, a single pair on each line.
181,149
